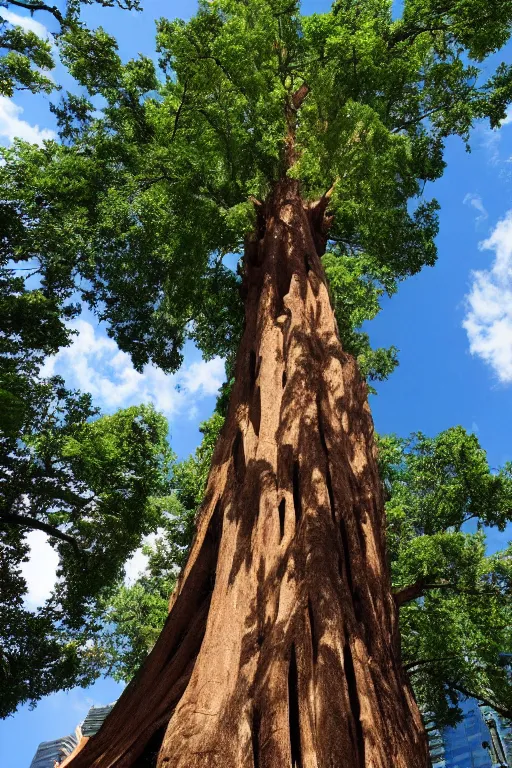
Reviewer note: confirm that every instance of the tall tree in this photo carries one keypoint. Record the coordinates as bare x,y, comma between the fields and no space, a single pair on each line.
273,134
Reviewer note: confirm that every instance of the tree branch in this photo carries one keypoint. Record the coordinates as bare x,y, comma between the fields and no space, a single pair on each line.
418,589
422,662
416,120
299,96
179,110
32,522
41,7
484,700
410,35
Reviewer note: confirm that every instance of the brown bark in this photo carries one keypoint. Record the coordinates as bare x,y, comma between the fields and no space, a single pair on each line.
281,648
412,592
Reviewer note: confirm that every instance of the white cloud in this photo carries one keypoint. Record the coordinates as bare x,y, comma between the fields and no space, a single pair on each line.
138,562
40,572
204,377
491,138
508,117
476,202
488,321
134,567
94,363
12,126
28,23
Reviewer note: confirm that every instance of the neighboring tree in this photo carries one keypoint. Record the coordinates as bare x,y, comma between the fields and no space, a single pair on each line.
26,58
33,323
278,135
95,486
455,602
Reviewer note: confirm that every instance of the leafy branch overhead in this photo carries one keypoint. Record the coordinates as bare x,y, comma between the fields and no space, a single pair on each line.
168,175
26,57
455,600
96,486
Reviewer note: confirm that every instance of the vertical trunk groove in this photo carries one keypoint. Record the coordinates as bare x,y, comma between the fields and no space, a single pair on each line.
281,648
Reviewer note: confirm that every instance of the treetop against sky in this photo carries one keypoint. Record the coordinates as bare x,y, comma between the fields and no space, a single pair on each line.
169,178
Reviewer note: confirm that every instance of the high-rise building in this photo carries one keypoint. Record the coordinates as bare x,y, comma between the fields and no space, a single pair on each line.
481,740
500,745
51,753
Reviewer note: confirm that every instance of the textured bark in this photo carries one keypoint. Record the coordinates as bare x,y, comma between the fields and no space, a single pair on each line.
281,648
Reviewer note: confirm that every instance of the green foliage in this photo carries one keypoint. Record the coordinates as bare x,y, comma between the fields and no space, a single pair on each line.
356,285
442,482
26,58
33,325
460,621
135,616
96,486
36,658
165,177
25,53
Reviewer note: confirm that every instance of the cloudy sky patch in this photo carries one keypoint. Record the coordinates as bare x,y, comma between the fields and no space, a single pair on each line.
476,202
12,125
94,363
488,320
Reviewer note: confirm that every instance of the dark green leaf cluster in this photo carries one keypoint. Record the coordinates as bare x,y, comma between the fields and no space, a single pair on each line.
356,287
35,659
95,486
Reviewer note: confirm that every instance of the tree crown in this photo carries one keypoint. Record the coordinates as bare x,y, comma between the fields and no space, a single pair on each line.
166,178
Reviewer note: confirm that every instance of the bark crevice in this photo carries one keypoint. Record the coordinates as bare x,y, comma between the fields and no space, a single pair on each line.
312,630
282,518
297,499
355,706
255,737
294,711
239,457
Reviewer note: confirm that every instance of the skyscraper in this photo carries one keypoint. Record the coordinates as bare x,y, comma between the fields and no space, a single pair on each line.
50,753
481,740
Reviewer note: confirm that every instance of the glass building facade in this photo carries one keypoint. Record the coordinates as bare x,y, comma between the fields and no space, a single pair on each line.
481,740
51,753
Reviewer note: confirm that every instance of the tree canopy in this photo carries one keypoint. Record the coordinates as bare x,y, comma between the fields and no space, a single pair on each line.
27,58
169,174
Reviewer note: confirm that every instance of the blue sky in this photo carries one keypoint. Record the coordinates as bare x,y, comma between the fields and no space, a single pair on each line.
452,325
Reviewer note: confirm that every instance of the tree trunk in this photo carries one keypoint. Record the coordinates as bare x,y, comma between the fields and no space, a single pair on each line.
281,648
